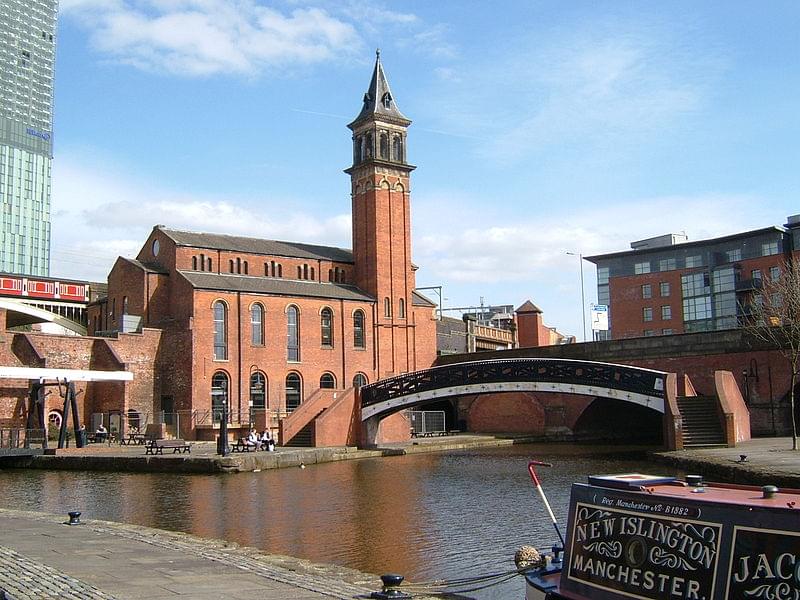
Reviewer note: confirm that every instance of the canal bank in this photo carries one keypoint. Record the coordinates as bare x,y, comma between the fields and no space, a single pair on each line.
43,557
204,459
761,461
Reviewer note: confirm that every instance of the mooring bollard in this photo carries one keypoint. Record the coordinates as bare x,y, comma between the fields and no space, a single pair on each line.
74,519
390,584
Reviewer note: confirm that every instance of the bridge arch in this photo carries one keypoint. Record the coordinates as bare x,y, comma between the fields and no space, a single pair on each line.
644,387
20,313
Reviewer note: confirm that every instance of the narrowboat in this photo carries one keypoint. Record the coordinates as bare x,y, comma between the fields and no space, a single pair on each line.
648,537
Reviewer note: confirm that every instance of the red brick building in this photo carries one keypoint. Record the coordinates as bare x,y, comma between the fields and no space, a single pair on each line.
264,324
665,285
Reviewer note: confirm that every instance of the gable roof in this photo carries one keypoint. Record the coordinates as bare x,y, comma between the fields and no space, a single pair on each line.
234,243
273,286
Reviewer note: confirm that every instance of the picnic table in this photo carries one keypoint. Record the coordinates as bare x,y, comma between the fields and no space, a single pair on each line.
132,439
157,446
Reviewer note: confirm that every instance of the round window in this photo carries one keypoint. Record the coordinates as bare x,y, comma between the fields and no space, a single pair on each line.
156,247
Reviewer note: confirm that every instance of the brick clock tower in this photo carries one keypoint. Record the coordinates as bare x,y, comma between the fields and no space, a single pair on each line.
382,223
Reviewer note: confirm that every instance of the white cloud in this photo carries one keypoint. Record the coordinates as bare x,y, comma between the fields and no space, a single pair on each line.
206,37
532,251
99,215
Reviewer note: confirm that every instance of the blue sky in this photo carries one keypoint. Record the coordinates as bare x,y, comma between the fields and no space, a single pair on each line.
540,128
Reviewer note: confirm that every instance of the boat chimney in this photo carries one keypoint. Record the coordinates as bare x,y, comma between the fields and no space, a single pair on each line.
694,480
769,491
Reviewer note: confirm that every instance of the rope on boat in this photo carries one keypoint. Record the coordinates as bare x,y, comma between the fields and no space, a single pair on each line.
443,587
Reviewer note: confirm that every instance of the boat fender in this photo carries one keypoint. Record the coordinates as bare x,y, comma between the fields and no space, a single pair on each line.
528,557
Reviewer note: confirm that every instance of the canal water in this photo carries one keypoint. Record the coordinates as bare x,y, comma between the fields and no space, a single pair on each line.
428,516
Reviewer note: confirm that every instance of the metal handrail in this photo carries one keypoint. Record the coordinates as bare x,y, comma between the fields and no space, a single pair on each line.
548,370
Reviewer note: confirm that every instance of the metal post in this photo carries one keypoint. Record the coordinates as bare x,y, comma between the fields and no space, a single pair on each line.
222,445
583,293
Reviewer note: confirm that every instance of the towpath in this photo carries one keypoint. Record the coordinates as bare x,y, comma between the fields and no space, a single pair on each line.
767,461
42,557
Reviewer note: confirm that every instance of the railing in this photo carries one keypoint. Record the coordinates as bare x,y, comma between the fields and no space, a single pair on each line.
426,421
584,373
19,437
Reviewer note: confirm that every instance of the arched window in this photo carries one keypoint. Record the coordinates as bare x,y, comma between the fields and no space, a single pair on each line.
220,331
327,381
387,100
305,271
294,391
342,277
384,146
326,324
312,274
280,270
266,269
202,262
299,272
359,380
359,341
208,264
357,150
134,420
330,274
293,334
231,266
397,148
387,307
124,305
219,395
194,263
258,390
401,308
368,145
245,267
257,325
239,266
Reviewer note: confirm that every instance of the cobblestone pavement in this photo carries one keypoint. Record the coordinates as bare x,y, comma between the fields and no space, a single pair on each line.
41,557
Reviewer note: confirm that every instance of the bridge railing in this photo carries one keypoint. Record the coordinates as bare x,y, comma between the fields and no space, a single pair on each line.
562,371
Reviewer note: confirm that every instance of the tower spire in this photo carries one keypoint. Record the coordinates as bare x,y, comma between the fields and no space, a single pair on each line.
379,103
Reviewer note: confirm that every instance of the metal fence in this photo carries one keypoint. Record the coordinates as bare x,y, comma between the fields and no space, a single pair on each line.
19,437
427,421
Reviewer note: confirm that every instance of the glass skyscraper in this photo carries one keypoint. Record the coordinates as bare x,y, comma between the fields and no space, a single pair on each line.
27,55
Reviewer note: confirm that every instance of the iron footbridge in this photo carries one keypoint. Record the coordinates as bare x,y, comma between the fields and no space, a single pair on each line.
644,387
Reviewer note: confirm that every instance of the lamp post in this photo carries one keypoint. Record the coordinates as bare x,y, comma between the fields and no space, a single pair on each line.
583,295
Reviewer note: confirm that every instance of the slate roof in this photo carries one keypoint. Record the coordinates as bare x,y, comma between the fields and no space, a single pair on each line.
528,307
148,268
418,299
233,243
374,107
274,286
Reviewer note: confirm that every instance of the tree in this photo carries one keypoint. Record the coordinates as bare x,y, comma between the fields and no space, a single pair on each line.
773,316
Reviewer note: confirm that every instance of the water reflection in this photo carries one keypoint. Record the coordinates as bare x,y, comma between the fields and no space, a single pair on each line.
429,516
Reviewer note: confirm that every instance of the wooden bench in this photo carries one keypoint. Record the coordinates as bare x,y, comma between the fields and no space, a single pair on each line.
157,446
242,445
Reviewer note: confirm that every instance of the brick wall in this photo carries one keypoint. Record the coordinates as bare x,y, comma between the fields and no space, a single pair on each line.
697,355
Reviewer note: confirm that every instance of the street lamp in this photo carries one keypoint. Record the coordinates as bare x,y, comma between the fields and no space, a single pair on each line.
583,296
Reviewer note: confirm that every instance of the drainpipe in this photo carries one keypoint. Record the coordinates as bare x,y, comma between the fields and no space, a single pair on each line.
239,351
342,343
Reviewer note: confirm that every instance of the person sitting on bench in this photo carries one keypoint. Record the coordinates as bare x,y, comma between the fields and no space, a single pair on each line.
252,439
101,434
267,443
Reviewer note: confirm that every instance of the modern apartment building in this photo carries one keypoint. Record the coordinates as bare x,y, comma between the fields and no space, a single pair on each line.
666,285
27,55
